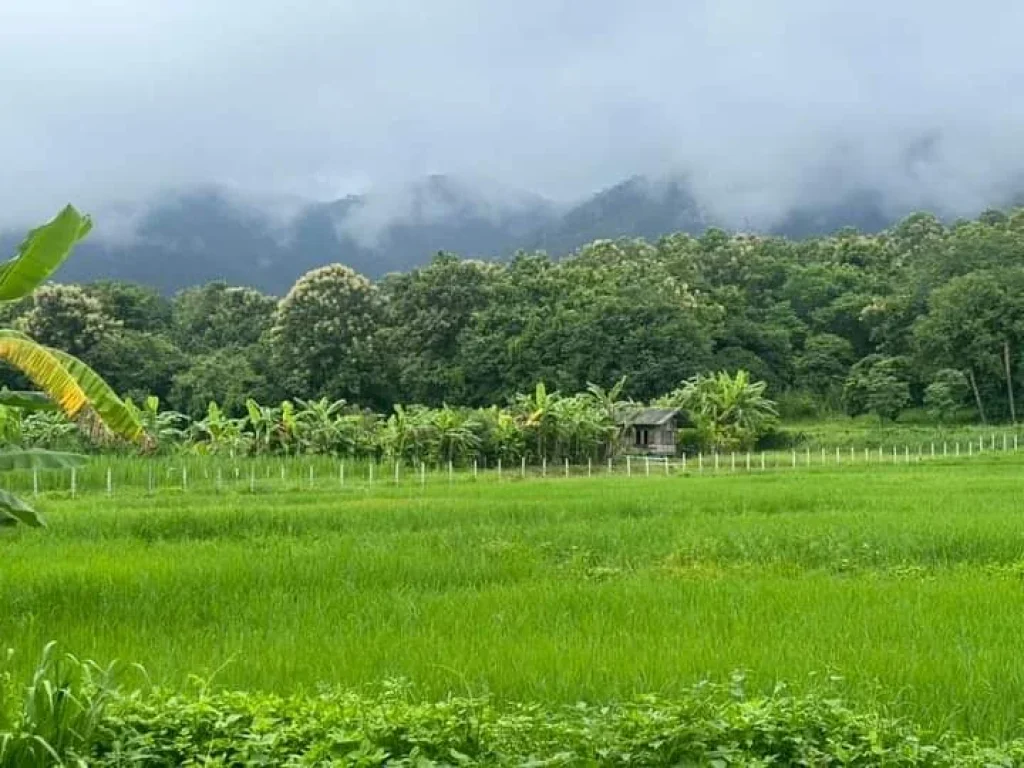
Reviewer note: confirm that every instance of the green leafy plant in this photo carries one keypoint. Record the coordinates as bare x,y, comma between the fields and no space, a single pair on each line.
56,719
66,382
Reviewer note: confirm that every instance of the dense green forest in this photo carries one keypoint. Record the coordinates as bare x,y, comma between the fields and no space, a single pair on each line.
922,315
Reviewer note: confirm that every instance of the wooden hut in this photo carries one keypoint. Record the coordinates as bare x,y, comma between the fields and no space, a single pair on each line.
650,431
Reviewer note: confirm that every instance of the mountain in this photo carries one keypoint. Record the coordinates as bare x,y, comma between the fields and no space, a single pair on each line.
637,207
205,234
210,234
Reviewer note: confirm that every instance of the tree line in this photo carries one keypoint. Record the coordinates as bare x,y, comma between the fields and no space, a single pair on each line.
923,315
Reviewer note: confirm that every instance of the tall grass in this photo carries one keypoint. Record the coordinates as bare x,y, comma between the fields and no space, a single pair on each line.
904,581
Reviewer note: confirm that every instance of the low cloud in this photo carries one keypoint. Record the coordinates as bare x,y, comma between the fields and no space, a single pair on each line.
762,105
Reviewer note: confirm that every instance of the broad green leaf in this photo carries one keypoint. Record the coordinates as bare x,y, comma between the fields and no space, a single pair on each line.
45,369
117,417
35,458
17,509
42,252
26,401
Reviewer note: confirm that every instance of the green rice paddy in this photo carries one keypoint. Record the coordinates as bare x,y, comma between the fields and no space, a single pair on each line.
900,586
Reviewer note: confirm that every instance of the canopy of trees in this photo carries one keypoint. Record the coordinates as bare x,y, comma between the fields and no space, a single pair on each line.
922,315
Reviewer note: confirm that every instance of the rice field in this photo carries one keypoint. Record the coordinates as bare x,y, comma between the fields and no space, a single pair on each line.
897,584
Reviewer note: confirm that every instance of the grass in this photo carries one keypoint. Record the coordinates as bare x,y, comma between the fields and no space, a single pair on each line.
904,581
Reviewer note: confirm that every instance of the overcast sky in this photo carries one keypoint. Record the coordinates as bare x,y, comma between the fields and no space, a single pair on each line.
107,101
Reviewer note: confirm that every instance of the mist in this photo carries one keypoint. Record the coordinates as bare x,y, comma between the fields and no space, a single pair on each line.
761,105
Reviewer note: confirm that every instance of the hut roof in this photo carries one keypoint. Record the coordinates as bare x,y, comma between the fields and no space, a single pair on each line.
648,417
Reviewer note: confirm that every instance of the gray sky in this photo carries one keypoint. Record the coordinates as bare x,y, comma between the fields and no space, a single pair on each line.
114,100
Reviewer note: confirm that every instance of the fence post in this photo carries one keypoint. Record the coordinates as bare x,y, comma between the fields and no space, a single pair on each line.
684,462
762,461
590,467
310,475
716,461
1004,441
544,467
794,458
853,455
970,447
867,456
732,461
894,454
567,467
423,472
837,454
906,452
667,469
397,472
451,471
370,473
74,482
748,461
35,481
475,469
700,462
647,466
957,447
184,477
110,482
610,470
629,466
823,455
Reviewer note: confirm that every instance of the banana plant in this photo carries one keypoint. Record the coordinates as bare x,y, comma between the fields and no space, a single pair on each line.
65,383
218,432
164,427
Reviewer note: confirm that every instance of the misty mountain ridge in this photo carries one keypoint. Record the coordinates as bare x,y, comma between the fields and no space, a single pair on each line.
210,233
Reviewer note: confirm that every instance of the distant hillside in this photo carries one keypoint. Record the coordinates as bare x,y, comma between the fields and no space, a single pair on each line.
209,234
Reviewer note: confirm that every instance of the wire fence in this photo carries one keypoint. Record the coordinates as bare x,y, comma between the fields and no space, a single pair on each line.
219,474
